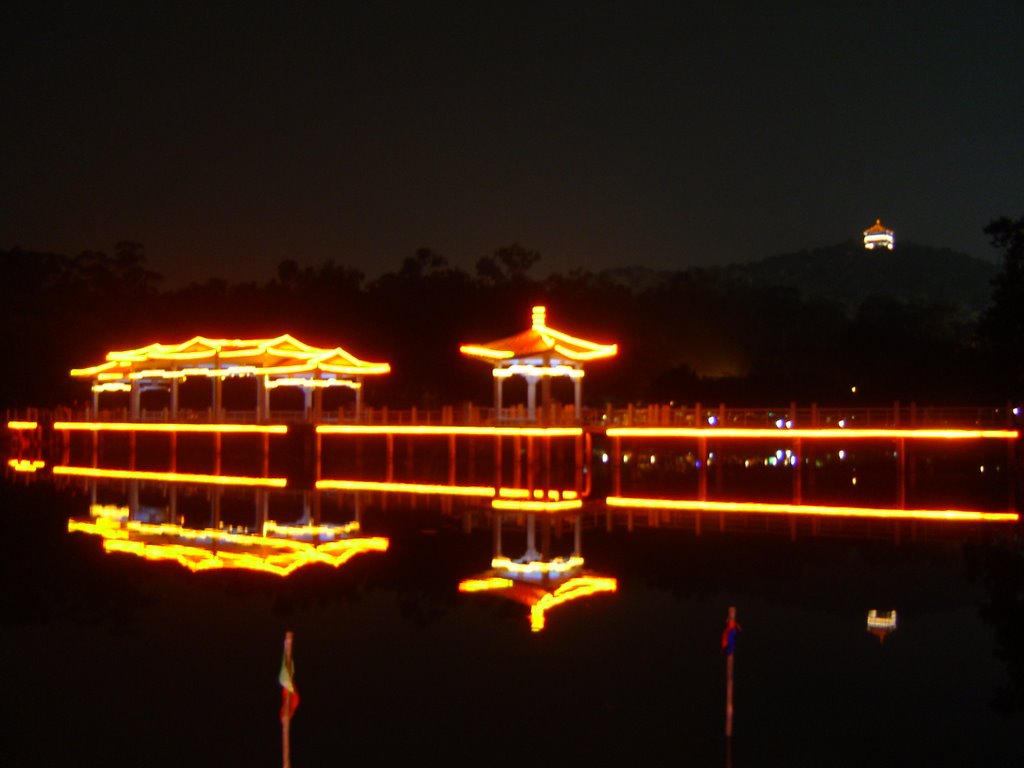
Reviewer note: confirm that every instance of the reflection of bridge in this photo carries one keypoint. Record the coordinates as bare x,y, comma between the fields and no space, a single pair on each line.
547,469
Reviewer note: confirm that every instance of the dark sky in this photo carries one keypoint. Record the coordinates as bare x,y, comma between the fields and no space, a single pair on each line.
226,138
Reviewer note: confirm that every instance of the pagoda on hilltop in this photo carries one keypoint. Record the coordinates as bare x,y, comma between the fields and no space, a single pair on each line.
877,236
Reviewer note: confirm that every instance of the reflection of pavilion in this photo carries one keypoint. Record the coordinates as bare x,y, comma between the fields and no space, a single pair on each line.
540,582
279,362
158,533
538,354
881,624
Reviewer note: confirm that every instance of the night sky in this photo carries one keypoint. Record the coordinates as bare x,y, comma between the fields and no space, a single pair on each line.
226,138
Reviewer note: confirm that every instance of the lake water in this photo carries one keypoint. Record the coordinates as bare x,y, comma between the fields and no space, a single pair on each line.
117,659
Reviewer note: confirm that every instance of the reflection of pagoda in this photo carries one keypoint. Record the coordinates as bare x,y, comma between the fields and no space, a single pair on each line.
535,581
277,549
877,236
881,625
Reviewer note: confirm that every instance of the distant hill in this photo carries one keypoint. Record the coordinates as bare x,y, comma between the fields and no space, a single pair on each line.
848,273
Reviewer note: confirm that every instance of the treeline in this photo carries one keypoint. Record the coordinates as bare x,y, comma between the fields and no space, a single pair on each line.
690,335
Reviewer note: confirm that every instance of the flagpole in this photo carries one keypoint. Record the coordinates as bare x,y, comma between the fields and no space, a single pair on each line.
286,711
729,664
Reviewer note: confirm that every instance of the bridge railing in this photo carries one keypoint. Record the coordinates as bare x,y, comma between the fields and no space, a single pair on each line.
557,414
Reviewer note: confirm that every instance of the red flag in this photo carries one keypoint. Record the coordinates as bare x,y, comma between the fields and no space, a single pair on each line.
289,693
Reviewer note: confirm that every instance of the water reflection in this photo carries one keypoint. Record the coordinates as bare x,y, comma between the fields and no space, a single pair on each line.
159,533
540,582
881,624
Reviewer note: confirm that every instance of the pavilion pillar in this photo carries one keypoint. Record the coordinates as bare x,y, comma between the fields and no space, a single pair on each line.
545,398
218,389
174,399
531,398
577,385
359,400
262,412
498,382
307,400
136,400
218,398
95,415
318,402
531,539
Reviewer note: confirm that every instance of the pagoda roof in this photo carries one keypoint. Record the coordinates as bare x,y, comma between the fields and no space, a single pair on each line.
877,228
541,340
281,356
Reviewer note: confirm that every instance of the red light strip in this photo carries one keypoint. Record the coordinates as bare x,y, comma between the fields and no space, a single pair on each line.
171,477
951,515
116,426
342,429
852,434
424,488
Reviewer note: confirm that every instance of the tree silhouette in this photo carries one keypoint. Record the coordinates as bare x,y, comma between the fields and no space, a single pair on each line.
1001,328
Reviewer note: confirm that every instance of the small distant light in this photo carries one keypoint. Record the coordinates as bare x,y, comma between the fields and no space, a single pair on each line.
604,458
780,423
652,458
842,423
793,461
712,420
853,390
789,424
625,458
711,456
779,454
842,455
772,461
982,469
746,462
1016,411
854,481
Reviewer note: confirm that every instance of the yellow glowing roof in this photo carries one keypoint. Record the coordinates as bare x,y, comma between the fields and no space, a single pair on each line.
199,356
877,228
540,340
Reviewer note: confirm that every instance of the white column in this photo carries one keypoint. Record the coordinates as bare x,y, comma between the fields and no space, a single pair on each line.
531,397
174,399
577,384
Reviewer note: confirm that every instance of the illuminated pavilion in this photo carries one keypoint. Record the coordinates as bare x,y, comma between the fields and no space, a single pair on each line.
538,354
877,236
283,361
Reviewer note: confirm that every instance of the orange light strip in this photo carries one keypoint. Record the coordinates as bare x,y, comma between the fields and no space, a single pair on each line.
424,488
171,477
483,585
952,515
494,354
22,424
396,429
116,426
25,465
852,434
516,505
573,589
